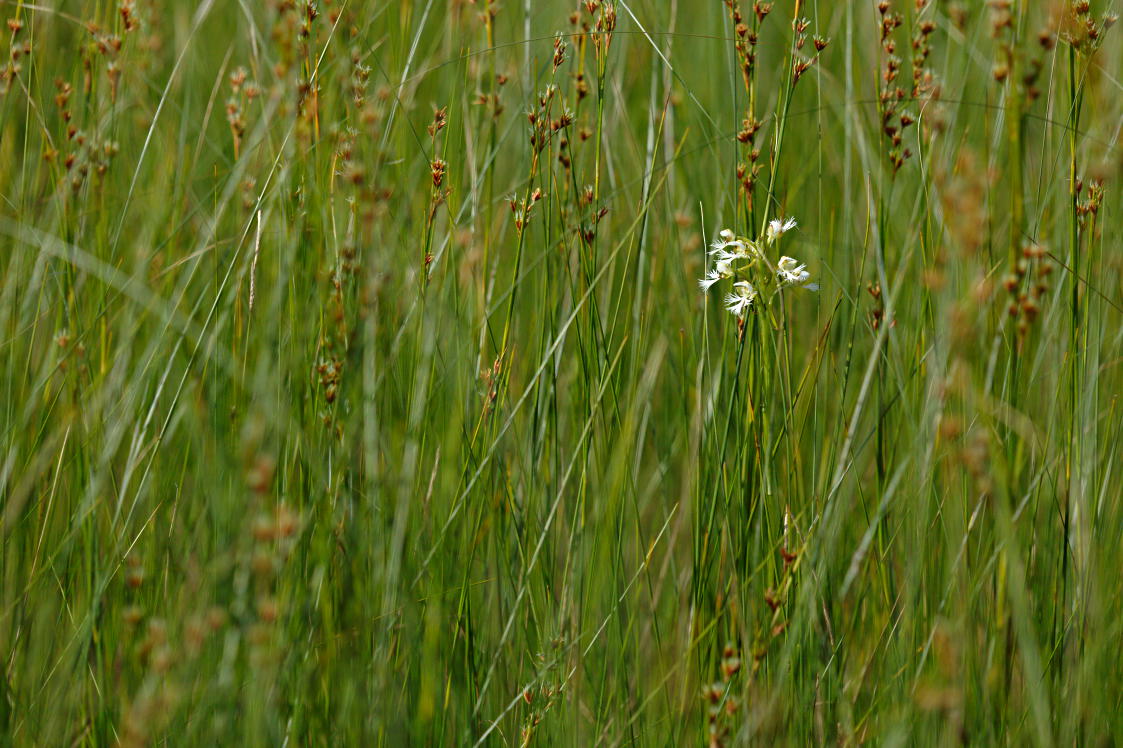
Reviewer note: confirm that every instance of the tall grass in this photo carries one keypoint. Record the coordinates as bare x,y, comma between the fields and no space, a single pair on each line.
358,387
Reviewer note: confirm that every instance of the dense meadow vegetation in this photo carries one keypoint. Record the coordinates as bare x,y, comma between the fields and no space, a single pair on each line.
612,372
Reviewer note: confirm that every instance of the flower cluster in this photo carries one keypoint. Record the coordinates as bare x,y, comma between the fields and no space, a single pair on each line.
745,261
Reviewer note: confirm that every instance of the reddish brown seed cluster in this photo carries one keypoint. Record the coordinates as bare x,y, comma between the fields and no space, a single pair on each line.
563,154
108,46
81,155
491,101
1014,65
975,457
129,19
878,311
891,96
360,78
259,474
541,702
287,35
746,37
604,27
63,91
1088,206
1082,30
18,48
438,168
588,228
521,208
440,121
1026,287
747,31
491,379
329,373
297,33
242,91
801,63
539,698
583,27
274,533
560,48
310,12
70,351
721,701
357,141
925,88
350,167
543,125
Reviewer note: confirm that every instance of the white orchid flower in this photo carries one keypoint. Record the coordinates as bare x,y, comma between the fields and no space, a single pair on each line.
711,278
723,268
741,299
730,247
777,227
792,272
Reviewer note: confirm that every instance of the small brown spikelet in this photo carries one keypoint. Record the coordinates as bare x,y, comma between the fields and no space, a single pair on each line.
438,167
440,120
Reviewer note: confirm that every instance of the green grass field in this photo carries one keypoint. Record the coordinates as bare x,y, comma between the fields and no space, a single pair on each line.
359,386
